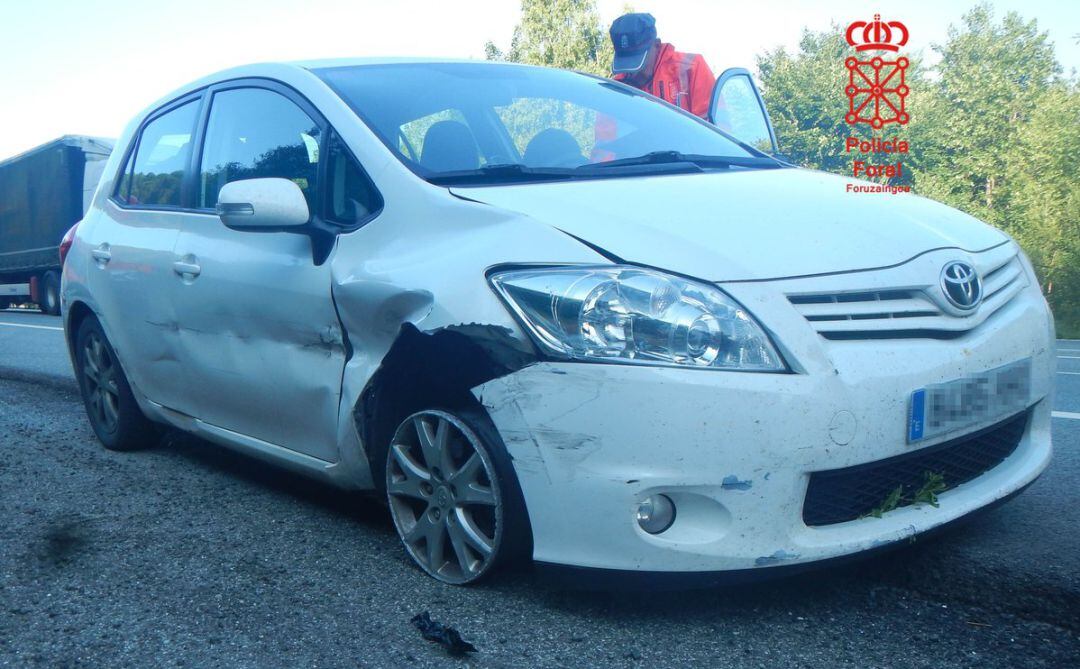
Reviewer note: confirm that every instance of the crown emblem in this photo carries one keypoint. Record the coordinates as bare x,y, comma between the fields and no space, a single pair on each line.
877,34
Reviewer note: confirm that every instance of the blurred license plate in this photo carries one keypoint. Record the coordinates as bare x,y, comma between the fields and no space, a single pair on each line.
944,407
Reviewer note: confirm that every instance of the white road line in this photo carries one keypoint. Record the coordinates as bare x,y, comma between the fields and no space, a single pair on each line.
1070,373
1065,414
35,327
1069,357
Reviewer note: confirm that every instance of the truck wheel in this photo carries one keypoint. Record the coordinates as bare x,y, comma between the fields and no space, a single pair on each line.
50,293
5,303
116,418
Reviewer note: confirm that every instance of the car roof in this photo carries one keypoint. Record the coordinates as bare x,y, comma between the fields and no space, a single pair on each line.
287,70
385,60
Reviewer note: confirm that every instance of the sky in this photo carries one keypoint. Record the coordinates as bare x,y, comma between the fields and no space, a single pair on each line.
87,67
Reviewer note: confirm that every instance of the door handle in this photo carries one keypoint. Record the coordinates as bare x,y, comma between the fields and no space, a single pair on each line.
187,268
102,254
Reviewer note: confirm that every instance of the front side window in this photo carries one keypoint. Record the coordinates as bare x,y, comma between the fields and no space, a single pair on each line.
256,133
737,110
160,160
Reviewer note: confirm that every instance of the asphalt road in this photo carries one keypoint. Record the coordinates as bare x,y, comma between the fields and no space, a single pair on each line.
188,555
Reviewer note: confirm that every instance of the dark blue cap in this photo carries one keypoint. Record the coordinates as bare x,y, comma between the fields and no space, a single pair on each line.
632,35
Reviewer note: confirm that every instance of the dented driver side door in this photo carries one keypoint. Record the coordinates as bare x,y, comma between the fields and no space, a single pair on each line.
258,330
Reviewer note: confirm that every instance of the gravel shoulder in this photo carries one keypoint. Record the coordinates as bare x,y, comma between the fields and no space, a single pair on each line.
188,555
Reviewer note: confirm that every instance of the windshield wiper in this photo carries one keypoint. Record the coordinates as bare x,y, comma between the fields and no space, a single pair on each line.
669,157
502,173
665,161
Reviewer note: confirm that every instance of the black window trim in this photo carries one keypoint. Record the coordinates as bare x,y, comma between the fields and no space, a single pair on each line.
189,185
325,189
133,147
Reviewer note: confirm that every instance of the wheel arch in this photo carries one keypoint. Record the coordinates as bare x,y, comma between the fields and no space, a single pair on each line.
436,369
76,313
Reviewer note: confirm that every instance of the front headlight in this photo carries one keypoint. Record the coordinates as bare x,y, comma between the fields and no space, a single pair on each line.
629,314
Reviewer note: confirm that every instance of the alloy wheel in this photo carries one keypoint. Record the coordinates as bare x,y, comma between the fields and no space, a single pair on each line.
102,391
444,497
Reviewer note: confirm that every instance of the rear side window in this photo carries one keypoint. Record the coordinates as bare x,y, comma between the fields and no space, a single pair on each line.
255,133
160,159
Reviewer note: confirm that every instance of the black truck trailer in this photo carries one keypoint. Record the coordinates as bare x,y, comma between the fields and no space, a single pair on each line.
43,192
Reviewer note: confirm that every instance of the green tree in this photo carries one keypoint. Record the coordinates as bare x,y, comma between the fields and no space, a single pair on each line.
566,34
990,80
1043,211
999,139
804,93
558,33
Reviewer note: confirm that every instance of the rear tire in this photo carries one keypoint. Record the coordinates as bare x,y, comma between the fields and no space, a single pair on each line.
114,414
50,293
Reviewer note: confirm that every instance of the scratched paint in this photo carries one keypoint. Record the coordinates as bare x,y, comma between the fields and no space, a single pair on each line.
732,482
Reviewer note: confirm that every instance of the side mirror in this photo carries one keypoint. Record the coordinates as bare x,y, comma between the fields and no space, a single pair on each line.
261,204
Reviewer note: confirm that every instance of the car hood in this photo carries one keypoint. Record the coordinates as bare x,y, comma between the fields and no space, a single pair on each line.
743,225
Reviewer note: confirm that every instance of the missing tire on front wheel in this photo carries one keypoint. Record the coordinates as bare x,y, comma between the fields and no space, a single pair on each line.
445,496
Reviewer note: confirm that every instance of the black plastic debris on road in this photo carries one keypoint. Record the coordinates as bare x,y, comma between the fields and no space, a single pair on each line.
436,632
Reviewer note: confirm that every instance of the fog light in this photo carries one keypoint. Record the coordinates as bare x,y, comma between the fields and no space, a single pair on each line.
656,513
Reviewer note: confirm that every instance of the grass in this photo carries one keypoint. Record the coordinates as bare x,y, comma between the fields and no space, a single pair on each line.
933,484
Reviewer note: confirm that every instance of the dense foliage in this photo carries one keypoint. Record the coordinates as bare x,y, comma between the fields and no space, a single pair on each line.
559,33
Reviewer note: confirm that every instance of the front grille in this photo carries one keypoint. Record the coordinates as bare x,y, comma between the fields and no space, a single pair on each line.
855,312
840,495
861,306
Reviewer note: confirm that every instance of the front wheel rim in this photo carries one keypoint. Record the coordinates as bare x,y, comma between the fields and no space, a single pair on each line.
100,377
444,497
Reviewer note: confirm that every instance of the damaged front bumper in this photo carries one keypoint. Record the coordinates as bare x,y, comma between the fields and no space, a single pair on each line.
735,452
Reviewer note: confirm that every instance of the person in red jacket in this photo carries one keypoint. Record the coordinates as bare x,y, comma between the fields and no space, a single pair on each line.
644,62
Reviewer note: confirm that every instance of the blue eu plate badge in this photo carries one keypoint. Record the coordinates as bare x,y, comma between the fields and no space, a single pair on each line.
917,415
969,401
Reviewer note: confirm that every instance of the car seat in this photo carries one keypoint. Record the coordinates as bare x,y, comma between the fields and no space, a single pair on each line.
449,146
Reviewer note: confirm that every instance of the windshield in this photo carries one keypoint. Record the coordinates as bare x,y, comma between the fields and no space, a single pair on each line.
483,122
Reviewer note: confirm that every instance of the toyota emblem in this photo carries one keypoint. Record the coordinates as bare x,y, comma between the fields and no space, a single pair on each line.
961,285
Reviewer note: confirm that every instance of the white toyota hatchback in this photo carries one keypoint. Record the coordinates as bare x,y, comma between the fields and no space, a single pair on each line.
552,317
